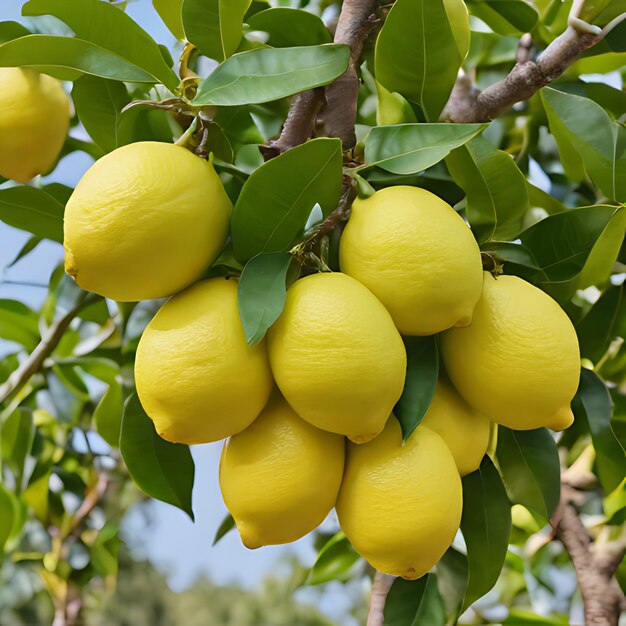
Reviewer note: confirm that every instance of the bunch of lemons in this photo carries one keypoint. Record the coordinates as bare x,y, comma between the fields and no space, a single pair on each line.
308,411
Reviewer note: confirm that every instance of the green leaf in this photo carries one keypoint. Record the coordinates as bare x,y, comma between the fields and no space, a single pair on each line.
107,416
7,517
228,524
529,464
287,188
609,98
335,561
417,54
412,148
537,198
593,405
261,293
605,321
519,617
12,30
33,210
452,581
99,103
161,469
486,527
19,324
290,27
506,17
422,372
459,23
171,12
27,248
415,603
599,141
214,26
497,196
16,436
105,26
575,248
268,74
49,54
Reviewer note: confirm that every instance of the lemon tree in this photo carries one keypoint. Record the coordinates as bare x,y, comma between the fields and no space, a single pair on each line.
375,247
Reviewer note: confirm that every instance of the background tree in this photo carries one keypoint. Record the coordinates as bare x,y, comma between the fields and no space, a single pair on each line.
411,92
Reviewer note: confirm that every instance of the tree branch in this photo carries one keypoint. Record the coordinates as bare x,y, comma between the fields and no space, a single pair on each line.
595,565
380,589
525,79
46,346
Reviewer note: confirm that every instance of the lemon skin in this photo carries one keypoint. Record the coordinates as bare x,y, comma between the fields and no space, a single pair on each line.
280,477
400,504
196,376
465,431
34,119
518,363
417,255
144,222
337,357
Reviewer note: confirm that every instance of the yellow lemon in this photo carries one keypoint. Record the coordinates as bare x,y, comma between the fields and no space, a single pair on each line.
144,222
280,477
400,504
196,376
518,363
417,255
337,357
34,118
465,431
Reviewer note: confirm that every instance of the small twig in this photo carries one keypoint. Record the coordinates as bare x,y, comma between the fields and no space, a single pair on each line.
46,346
380,589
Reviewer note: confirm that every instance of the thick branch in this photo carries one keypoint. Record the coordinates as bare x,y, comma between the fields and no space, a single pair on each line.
525,79
595,567
380,589
48,343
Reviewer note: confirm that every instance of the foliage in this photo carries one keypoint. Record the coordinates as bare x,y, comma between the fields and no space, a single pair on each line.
542,188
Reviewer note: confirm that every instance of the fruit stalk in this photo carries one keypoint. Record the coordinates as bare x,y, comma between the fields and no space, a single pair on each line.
380,589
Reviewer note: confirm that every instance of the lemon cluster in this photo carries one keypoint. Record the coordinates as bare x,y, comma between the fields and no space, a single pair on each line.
308,411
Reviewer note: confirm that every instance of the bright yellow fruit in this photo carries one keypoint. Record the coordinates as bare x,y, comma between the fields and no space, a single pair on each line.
144,222
518,363
400,505
414,252
196,376
280,477
34,118
337,357
465,431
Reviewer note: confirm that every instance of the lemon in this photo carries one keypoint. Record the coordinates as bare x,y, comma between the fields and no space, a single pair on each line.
400,505
144,222
280,477
196,376
336,356
34,118
465,431
518,363
417,255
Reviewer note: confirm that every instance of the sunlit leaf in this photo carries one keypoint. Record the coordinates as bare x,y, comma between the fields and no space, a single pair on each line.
335,561
290,27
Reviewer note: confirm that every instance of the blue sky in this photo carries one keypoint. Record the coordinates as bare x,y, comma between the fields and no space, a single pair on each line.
172,541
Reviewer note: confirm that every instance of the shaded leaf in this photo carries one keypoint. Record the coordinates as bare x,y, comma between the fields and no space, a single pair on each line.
411,148
18,323
261,293
99,103
228,523
452,581
593,405
267,74
417,54
415,603
27,248
16,436
335,561
486,527
497,196
49,53
529,464
170,11
107,416
7,517
33,210
105,26
214,26
505,17
422,372
161,469
12,30
290,27
286,188
600,143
